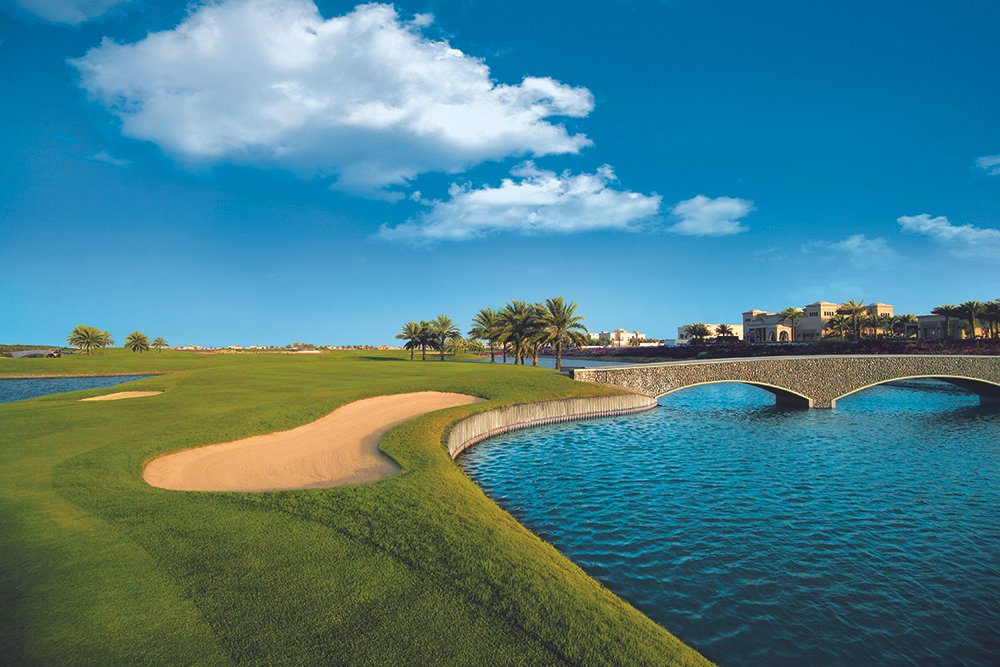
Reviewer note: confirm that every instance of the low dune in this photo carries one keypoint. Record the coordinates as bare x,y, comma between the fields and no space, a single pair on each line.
338,449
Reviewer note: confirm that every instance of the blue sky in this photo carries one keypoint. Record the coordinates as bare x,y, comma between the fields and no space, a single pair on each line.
266,171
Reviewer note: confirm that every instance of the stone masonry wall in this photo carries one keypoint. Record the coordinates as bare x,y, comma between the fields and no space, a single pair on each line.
480,426
820,379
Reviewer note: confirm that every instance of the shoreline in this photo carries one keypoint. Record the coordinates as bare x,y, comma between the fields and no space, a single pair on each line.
466,432
54,376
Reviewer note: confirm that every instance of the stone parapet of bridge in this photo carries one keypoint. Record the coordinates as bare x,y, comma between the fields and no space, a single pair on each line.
806,381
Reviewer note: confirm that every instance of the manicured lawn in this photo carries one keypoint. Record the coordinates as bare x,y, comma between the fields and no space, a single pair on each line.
422,568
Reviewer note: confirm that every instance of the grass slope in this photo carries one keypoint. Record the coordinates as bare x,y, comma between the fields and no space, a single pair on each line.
422,568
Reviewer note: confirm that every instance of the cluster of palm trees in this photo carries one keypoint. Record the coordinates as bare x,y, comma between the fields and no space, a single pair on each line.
853,320
429,335
138,342
982,320
519,329
87,339
699,331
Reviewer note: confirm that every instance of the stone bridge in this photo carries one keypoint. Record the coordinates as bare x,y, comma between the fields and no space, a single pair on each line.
807,381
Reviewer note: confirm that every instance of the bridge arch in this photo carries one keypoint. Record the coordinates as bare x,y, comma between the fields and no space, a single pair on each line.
785,397
989,392
816,381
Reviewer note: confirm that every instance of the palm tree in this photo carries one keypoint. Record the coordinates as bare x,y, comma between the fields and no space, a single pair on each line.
457,345
910,325
839,325
443,329
411,334
137,342
792,315
86,338
971,312
886,323
697,332
854,311
426,339
487,325
517,316
561,326
947,311
724,331
536,332
991,317
107,340
159,343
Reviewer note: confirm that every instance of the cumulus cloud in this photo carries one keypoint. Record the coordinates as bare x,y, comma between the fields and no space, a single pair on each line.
990,164
961,240
704,216
365,98
534,201
68,12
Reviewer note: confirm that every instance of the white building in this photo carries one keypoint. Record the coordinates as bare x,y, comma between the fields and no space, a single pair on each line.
619,338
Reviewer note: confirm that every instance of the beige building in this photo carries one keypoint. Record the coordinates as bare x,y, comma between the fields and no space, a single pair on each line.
761,326
618,338
683,338
932,327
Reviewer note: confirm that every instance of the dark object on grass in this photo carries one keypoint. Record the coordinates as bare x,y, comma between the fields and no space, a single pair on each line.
36,354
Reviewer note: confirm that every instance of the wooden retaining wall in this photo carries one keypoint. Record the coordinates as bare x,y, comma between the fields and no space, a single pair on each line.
478,427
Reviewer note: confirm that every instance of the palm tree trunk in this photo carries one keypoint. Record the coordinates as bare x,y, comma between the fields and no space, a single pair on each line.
493,357
442,348
411,353
423,352
559,356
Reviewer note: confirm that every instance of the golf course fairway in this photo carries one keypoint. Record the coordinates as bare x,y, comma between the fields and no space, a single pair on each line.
97,566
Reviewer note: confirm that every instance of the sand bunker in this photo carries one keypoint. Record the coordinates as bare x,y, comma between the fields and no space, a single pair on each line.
123,394
340,448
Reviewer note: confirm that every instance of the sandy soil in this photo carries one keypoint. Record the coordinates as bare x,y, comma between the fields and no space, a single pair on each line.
338,449
123,394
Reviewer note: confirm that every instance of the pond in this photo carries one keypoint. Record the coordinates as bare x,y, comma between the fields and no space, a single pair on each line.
869,534
20,389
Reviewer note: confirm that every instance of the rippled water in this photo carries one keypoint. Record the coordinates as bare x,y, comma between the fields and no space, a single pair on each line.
869,534
20,389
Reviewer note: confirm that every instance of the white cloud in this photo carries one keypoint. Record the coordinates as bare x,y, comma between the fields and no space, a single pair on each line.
365,98
961,240
69,12
858,248
703,216
990,164
535,201
108,158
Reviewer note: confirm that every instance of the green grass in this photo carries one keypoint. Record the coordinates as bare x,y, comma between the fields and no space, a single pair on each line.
421,568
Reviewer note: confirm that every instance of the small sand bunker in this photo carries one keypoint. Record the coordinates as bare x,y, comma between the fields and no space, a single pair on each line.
338,449
123,394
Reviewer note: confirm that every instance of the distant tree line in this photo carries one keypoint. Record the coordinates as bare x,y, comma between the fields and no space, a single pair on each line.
518,329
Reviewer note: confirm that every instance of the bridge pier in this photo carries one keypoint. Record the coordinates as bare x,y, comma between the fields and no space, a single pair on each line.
989,395
794,401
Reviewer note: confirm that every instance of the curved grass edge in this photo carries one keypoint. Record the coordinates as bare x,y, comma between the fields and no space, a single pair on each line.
487,424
